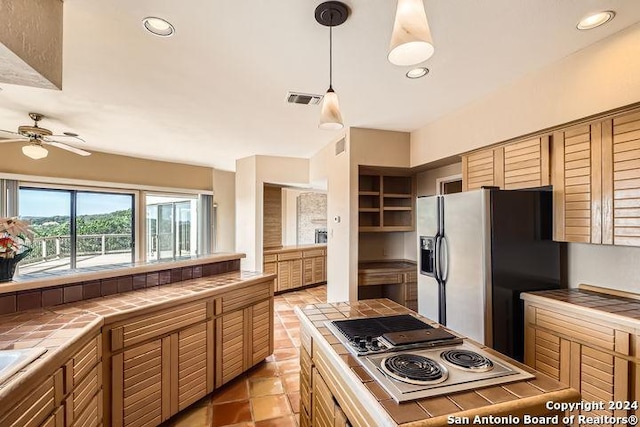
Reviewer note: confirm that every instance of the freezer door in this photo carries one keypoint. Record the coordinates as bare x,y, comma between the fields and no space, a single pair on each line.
427,228
465,253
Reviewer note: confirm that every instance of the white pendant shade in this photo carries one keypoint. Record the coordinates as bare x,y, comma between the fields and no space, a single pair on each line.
411,41
34,151
330,116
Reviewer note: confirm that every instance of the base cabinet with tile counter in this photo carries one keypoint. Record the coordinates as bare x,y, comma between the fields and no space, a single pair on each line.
588,340
336,388
70,396
166,360
152,352
296,266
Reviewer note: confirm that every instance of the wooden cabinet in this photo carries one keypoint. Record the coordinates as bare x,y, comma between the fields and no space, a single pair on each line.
577,190
396,280
521,164
621,180
592,356
296,267
272,216
385,202
246,339
71,396
166,365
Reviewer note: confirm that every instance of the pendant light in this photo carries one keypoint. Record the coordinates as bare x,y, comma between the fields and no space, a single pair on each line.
331,14
411,41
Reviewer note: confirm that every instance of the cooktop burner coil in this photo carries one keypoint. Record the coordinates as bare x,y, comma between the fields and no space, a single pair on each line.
467,360
414,369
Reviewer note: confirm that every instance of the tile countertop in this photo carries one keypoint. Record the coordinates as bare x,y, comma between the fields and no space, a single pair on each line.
58,328
527,396
595,305
37,281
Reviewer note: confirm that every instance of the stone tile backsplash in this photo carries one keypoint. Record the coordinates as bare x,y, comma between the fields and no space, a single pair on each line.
47,297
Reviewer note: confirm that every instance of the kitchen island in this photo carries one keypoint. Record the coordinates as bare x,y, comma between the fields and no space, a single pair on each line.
335,388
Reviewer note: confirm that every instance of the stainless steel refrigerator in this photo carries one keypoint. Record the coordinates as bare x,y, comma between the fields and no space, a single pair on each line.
477,251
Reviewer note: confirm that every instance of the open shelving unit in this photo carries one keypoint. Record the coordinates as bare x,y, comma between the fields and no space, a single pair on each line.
385,201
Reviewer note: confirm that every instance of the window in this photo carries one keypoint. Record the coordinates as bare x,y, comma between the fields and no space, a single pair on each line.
172,226
77,229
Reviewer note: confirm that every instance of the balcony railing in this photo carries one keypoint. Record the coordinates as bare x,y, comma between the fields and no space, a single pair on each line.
58,247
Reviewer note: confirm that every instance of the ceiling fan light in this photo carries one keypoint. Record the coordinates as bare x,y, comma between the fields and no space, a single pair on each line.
330,116
411,41
35,151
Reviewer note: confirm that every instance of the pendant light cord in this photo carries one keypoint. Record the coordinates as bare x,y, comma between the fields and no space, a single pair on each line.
331,52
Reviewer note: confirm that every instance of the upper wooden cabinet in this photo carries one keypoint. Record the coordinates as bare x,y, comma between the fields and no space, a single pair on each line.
597,182
385,202
522,164
621,179
577,189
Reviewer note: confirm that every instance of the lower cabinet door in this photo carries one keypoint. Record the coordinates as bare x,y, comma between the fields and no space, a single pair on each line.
137,386
261,329
230,346
192,365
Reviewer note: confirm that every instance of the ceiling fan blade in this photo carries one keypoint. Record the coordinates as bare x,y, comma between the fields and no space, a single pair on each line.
66,135
13,140
64,146
8,132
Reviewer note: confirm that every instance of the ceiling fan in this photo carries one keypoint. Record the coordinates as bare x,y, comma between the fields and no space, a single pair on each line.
39,137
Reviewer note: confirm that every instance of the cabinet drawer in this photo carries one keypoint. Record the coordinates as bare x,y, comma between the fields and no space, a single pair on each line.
589,332
310,253
250,295
82,363
289,255
379,279
82,395
269,258
160,323
33,409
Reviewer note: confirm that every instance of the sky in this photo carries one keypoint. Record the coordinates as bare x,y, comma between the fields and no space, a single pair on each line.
43,203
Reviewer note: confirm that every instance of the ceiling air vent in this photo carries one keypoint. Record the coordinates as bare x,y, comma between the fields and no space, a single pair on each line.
340,146
303,98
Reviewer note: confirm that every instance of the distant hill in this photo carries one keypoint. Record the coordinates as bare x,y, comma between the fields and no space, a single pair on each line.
118,222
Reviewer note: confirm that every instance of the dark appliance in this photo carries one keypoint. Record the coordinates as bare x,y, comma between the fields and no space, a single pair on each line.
478,250
321,235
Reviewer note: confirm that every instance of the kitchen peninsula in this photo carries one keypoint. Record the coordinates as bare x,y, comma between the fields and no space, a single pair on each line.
137,357
336,388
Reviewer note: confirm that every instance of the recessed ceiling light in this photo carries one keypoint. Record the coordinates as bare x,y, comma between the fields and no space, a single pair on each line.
416,73
594,20
158,26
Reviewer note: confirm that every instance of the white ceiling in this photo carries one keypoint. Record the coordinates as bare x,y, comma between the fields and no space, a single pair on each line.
215,91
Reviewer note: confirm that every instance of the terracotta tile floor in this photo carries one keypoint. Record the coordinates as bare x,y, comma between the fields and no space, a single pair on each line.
269,394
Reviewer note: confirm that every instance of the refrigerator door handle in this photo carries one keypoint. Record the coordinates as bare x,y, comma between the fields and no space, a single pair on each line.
436,259
443,263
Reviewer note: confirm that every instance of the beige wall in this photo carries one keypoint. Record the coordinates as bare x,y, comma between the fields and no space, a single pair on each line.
601,77
224,190
104,167
426,181
251,174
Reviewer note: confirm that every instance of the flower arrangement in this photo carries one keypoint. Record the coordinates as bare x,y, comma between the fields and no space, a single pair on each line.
15,236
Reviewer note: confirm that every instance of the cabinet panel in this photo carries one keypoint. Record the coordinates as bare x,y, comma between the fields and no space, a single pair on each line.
92,415
192,365
138,385
262,331
246,296
577,187
284,276
625,192
231,348
83,394
526,164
